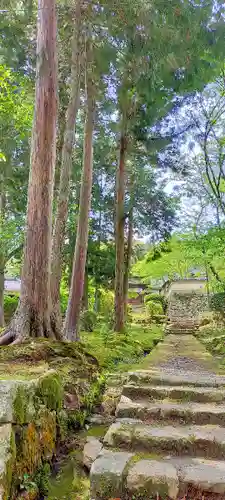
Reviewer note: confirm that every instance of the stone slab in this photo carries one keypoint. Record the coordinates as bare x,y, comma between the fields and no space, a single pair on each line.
191,412
206,441
199,394
107,475
152,477
206,475
91,451
174,378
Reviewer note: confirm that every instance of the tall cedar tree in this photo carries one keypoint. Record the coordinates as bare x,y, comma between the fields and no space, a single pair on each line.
119,233
129,245
80,253
2,204
66,164
32,318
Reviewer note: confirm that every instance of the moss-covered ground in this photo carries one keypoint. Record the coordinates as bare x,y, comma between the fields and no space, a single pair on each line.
71,482
213,338
81,369
117,352
114,353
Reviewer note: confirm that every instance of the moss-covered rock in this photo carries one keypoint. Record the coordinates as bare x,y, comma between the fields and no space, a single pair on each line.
50,390
44,387
7,454
23,403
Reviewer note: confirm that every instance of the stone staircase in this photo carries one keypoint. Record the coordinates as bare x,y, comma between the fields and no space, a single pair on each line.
182,326
168,439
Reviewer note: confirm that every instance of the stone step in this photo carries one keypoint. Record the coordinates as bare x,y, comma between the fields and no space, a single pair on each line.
167,411
6,459
122,475
200,441
183,393
179,331
175,378
180,326
183,322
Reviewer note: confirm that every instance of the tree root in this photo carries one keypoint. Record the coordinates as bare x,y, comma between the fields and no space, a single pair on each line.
26,324
7,338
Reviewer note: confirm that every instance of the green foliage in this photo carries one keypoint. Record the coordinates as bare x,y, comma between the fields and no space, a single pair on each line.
113,351
132,294
42,479
154,308
10,305
176,261
50,391
106,308
64,294
88,320
156,297
217,302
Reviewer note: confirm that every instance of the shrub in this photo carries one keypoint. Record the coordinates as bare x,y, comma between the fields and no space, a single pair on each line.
217,301
88,321
157,298
64,294
159,318
10,305
154,308
106,308
106,302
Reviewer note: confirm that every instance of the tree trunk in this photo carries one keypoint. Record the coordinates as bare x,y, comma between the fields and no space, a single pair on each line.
32,318
66,164
80,253
119,271
96,270
85,293
128,261
2,257
2,322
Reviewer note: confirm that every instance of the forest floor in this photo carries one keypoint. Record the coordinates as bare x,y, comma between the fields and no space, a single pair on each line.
128,351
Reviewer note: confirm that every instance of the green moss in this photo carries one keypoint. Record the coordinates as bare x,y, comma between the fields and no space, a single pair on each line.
116,352
144,456
93,395
55,369
44,349
62,421
50,391
97,431
70,484
20,404
18,371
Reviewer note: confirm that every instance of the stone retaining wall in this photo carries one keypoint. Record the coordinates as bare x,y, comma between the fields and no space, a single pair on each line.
187,305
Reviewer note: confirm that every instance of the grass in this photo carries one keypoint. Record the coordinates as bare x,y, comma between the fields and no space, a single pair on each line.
117,352
213,339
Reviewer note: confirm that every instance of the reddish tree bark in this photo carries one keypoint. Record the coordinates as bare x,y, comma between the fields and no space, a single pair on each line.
66,164
128,260
80,253
2,322
32,318
2,263
119,236
85,292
